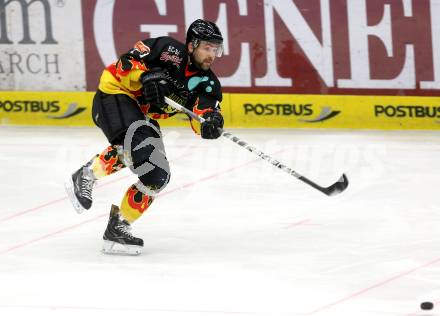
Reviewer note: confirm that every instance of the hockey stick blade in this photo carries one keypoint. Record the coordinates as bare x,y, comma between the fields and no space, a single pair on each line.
336,188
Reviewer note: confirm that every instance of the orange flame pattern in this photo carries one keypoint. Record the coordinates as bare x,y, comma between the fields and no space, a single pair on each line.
138,200
109,160
134,204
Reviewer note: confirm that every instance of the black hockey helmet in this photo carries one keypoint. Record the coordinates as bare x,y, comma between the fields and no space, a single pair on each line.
202,30
205,31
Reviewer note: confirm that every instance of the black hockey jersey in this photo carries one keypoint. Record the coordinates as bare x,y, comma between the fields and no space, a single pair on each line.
164,52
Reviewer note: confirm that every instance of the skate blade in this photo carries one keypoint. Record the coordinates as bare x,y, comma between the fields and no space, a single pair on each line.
114,248
69,187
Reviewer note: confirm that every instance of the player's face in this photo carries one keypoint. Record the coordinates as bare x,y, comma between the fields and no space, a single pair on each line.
204,54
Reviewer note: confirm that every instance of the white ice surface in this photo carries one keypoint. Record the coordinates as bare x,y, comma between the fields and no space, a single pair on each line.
230,235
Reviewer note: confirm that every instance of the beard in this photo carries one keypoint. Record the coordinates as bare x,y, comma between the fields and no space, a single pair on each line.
204,64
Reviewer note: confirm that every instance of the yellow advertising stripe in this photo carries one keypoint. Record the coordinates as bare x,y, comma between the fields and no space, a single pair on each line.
334,111
56,109
46,108
243,110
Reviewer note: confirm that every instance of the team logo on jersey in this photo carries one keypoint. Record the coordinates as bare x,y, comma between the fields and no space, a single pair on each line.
143,49
173,50
174,59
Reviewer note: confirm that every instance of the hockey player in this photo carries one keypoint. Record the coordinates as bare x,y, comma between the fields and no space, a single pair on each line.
127,106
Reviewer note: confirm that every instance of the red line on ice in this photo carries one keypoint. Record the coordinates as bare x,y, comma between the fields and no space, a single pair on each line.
21,245
298,223
33,209
65,197
374,286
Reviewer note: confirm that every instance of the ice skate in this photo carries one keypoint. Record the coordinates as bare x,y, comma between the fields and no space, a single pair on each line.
79,188
117,236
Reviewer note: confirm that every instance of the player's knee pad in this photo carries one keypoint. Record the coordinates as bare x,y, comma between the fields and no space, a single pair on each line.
154,181
149,159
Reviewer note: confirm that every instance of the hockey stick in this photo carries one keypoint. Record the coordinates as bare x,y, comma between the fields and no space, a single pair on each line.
334,189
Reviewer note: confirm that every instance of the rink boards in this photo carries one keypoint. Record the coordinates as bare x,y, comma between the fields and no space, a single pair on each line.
244,110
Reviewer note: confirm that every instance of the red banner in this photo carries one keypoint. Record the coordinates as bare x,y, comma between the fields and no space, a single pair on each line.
387,47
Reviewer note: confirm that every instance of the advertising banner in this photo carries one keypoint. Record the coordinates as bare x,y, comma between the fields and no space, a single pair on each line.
61,109
41,45
46,108
334,111
243,111
344,47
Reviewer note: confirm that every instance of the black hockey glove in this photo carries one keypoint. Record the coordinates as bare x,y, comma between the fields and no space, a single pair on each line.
156,87
211,127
